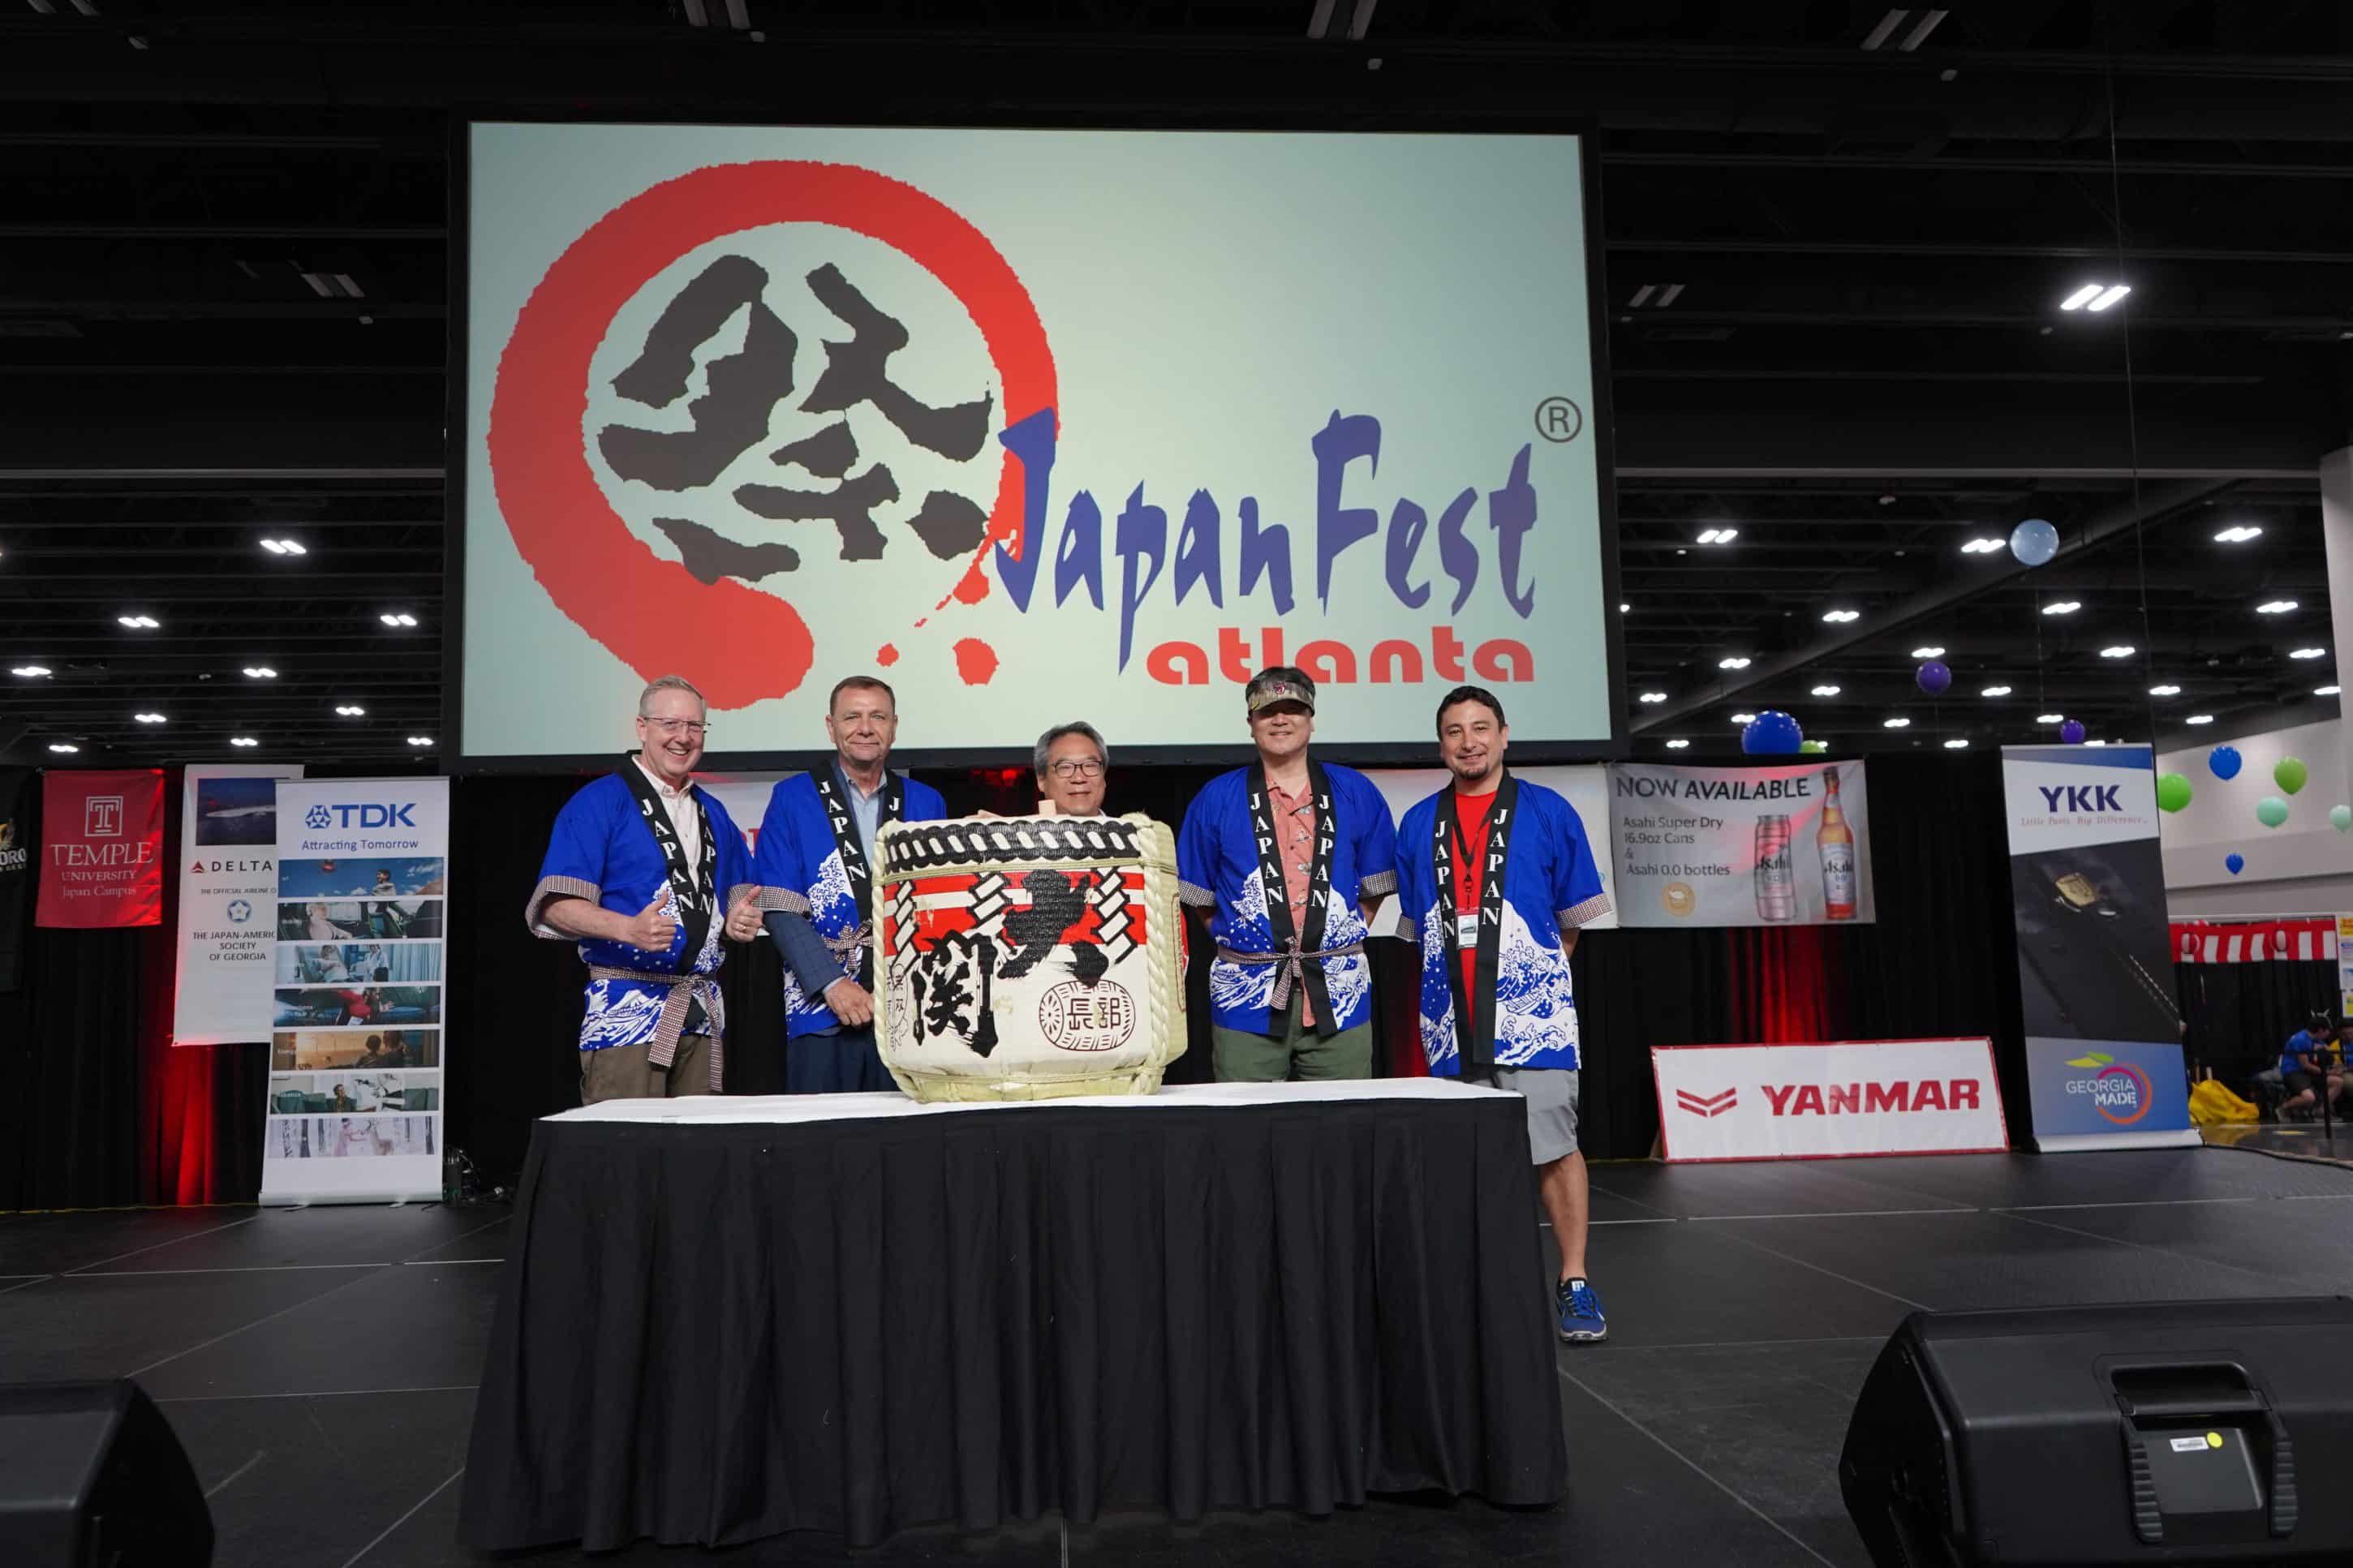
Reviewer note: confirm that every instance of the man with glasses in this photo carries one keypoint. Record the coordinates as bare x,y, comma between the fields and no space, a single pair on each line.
645,871
1069,760
815,870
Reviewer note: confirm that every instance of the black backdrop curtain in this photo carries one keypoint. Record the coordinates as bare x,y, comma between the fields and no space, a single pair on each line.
106,1111
2240,1015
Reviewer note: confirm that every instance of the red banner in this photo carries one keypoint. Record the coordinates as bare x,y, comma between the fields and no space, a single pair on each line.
101,848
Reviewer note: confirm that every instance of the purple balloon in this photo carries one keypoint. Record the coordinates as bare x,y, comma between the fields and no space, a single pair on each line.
1933,678
2072,732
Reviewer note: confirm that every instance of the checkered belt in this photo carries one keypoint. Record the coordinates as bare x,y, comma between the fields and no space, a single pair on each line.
683,991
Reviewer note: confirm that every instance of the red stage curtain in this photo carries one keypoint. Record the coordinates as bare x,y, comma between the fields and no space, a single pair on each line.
1784,987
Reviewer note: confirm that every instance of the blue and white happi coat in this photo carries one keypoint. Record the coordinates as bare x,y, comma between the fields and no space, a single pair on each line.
602,850
1219,869
800,869
1550,881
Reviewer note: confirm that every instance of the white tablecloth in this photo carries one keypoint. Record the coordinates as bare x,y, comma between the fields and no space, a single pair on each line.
791,1108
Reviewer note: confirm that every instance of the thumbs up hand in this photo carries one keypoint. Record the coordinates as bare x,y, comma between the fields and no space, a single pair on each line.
650,929
744,920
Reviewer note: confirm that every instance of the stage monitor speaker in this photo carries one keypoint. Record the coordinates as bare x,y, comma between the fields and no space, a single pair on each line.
2166,1433
92,1477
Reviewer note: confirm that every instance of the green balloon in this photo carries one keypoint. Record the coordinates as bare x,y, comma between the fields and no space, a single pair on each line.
2172,792
2271,811
2341,818
2289,774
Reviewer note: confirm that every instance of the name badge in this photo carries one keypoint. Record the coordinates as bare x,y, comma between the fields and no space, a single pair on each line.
1466,930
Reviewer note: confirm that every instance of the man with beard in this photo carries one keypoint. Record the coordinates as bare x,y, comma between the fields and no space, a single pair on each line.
646,872
817,885
1494,880
1289,858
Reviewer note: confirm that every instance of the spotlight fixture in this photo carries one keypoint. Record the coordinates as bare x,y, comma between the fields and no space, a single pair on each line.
2238,535
1717,535
1826,692
2329,691
1734,662
1957,743
1896,723
149,717
283,547
2051,718
1653,697
2119,650
2275,606
397,619
2167,690
350,709
1995,691
2307,653
1839,617
138,623
1980,546
63,747
1677,745
1930,651
30,670
420,740
260,672
2199,719
2062,607
243,740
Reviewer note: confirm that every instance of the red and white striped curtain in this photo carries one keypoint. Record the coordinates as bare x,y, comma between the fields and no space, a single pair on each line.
2303,939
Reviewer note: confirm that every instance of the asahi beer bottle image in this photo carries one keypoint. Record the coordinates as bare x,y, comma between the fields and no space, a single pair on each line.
1776,882
1836,843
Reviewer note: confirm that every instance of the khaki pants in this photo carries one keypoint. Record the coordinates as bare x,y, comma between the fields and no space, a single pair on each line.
622,1072
1242,1056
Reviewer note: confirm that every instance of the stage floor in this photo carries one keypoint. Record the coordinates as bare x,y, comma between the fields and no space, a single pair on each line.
319,1364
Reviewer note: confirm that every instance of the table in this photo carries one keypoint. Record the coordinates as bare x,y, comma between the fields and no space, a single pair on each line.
725,1318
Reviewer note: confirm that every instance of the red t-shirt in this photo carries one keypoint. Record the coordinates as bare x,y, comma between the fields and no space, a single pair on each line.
1471,811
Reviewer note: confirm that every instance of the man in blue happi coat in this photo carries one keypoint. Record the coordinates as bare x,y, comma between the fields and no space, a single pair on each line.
815,870
646,872
1289,858
1494,881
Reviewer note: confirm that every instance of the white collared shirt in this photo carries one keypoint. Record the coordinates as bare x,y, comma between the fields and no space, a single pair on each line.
684,820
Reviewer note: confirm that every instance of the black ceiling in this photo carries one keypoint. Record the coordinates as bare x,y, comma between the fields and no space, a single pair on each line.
1864,365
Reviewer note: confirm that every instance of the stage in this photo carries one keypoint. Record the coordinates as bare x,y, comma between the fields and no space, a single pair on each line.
329,1421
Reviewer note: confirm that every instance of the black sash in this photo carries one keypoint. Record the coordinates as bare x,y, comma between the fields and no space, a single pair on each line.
1319,890
692,885
853,856
1474,1016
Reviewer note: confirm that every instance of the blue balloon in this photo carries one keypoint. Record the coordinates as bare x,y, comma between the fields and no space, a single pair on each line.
2234,863
1933,678
2224,761
2071,732
2034,542
1771,733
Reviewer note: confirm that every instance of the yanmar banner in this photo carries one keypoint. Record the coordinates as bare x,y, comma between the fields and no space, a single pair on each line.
101,848
1037,424
1822,1102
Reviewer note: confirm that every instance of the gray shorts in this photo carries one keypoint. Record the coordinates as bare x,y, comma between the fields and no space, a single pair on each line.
1551,1094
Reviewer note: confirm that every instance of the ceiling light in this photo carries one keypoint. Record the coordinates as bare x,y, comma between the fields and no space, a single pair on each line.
1734,662
63,747
2324,691
149,717
1677,745
1839,617
1653,697
283,547
1826,692
1980,546
2199,719
2062,607
350,709
2307,653
397,619
2109,296
260,672
420,740
2119,650
2082,297
243,740
2166,691
2275,606
1995,691
2051,718
1744,718
138,623
2096,742
1623,608
2238,535
1896,723
1956,743
1930,651
29,670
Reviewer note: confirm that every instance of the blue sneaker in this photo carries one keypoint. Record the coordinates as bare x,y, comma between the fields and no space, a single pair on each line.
1579,1310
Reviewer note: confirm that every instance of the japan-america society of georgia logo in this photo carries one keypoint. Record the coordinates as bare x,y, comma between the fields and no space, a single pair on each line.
700,611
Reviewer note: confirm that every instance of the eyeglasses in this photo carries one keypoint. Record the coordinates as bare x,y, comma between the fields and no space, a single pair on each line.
1078,768
673,726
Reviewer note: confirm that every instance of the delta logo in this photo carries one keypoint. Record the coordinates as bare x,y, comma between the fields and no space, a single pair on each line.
2118,1090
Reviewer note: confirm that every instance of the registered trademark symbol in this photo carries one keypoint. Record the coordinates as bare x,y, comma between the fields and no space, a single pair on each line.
1559,419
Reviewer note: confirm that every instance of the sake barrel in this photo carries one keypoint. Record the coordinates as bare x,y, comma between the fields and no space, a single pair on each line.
1028,957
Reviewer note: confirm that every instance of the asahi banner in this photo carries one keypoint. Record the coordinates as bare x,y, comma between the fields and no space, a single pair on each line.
103,848
854,398
1811,1102
357,1058
2095,956
16,871
228,884
1741,847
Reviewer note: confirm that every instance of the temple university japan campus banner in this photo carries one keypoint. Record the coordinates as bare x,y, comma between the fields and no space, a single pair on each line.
229,886
357,1049
1741,847
101,848
2095,956
1812,1102
860,400
16,871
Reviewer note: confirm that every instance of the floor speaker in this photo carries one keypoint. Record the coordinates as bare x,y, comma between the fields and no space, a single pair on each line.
91,1474
2179,1432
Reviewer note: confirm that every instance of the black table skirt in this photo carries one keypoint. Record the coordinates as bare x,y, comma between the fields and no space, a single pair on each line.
711,1334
